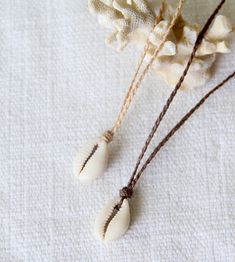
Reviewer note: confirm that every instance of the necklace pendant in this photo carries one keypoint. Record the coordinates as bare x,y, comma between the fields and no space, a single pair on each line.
91,161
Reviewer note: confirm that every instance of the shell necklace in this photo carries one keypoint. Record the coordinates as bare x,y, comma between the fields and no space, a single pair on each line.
92,159
113,220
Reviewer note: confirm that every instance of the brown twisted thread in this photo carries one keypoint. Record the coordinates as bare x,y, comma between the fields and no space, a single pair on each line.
134,86
178,126
135,176
177,87
127,192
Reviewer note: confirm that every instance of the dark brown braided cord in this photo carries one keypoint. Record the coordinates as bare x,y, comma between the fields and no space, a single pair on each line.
127,191
178,126
177,87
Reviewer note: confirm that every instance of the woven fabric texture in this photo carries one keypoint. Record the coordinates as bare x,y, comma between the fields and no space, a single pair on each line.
59,86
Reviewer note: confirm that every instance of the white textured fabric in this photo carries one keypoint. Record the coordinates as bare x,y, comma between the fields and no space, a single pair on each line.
59,86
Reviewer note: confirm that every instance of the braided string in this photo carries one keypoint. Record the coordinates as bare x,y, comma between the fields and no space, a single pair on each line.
134,86
175,90
136,72
127,191
178,126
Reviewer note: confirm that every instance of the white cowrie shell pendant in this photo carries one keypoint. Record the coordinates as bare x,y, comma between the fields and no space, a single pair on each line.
91,161
112,223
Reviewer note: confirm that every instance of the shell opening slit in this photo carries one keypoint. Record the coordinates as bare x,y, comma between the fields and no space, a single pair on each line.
89,157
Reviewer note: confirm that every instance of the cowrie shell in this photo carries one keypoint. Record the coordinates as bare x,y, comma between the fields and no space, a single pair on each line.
91,161
111,223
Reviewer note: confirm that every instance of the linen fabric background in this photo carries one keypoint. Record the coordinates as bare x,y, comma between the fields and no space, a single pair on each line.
60,86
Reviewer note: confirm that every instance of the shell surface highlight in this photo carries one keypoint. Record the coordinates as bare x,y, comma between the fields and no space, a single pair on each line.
91,161
111,223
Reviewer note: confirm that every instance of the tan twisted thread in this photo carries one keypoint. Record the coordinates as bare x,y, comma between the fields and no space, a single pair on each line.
134,86
108,135
142,57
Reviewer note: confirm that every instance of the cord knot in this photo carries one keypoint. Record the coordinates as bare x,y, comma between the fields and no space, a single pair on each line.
126,192
108,136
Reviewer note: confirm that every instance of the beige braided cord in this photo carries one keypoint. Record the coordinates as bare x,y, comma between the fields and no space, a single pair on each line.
134,86
142,57
108,135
